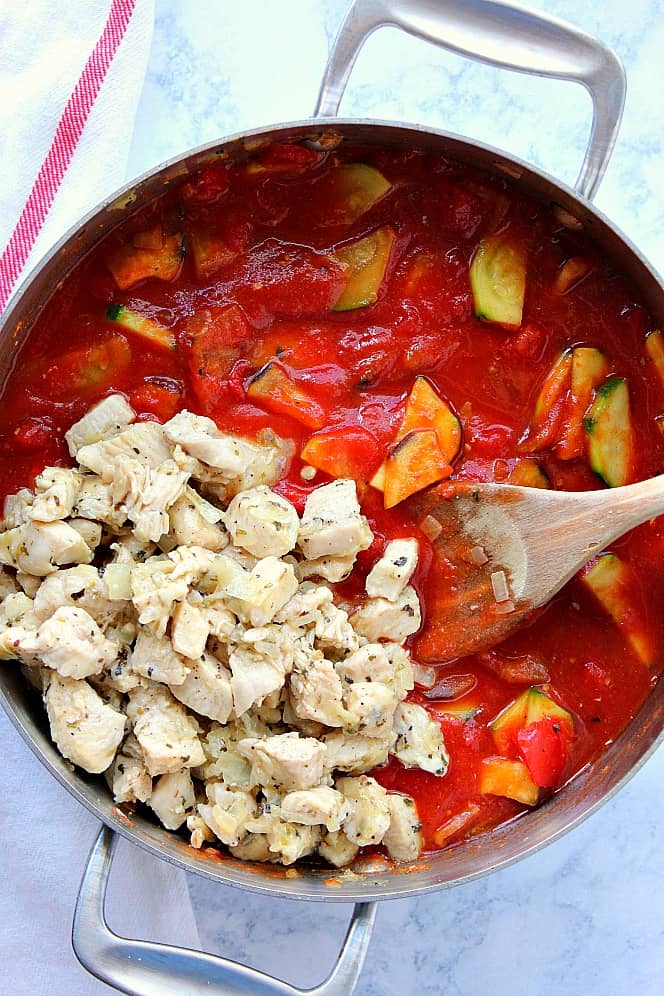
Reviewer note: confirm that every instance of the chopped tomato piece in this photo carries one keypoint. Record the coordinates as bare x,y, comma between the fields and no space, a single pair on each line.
30,434
158,396
208,185
218,337
284,157
273,388
89,369
290,280
549,408
349,451
130,264
543,746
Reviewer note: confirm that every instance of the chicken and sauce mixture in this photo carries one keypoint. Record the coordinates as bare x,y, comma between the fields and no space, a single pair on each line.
213,568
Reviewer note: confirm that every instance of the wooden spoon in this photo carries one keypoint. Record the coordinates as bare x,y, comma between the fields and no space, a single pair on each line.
505,550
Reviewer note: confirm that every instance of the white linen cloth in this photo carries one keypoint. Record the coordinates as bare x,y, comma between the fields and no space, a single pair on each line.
46,834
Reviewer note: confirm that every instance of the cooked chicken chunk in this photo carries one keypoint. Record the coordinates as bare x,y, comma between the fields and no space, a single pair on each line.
286,841
85,729
379,619
354,753
334,632
402,838
189,526
71,643
369,663
172,798
336,848
40,547
190,630
228,813
332,525
207,688
8,585
130,779
331,569
154,657
144,440
389,576
287,761
254,678
322,806
419,740
16,509
368,810
168,735
105,419
371,706
146,493
256,596
200,831
316,693
56,489
233,462
262,522
95,502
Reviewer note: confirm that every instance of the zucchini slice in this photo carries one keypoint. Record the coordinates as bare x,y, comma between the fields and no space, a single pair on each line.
140,325
529,474
655,350
273,389
571,273
530,707
365,261
355,188
614,585
498,281
608,426
589,368
427,410
132,263
414,463
498,776
210,253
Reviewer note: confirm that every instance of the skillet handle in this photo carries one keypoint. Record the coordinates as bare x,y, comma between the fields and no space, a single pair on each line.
501,34
142,968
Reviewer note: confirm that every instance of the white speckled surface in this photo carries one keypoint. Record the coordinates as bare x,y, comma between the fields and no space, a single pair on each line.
585,915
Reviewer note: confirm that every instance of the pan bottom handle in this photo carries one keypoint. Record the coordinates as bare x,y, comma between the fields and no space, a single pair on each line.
142,968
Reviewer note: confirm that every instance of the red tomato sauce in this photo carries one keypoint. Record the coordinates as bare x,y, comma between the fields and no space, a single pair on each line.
278,221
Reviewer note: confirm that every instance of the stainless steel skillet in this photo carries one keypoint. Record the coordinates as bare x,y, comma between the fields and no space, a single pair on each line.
503,35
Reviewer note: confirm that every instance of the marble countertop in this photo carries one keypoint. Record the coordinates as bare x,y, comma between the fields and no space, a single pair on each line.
584,915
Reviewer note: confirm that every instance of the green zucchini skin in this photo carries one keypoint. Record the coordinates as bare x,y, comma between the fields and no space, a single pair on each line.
608,427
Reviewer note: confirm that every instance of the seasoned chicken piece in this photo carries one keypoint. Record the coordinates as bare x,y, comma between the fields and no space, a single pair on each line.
256,596
85,730
154,657
16,509
287,761
71,643
190,630
119,676
403,668
189,526
278,643
379,619
105,419
56,489
11,638
334,632
332,525
95,502
371,706
200,831
79,587
14,609
172,797
222,759
370,663
286,841
90,532
306,605
161,581
322,806
29,583
145,440
336,848
8,585
254,678
41,547
331,569
418,740
354,753
168,735
130,779
316,692
291,720
389,576
207,688
368,810
402,838
146,493
262,522
253,847
230,461
228,813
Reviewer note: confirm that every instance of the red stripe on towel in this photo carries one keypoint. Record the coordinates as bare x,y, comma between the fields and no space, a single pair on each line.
67,134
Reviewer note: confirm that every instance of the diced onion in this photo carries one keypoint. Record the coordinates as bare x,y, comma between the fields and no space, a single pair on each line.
503,608
431,527
501,592
454,825
424,676
478,555
209,511
308,473
117,578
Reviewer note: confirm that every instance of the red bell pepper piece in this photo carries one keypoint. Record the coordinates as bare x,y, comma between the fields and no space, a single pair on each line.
543,746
